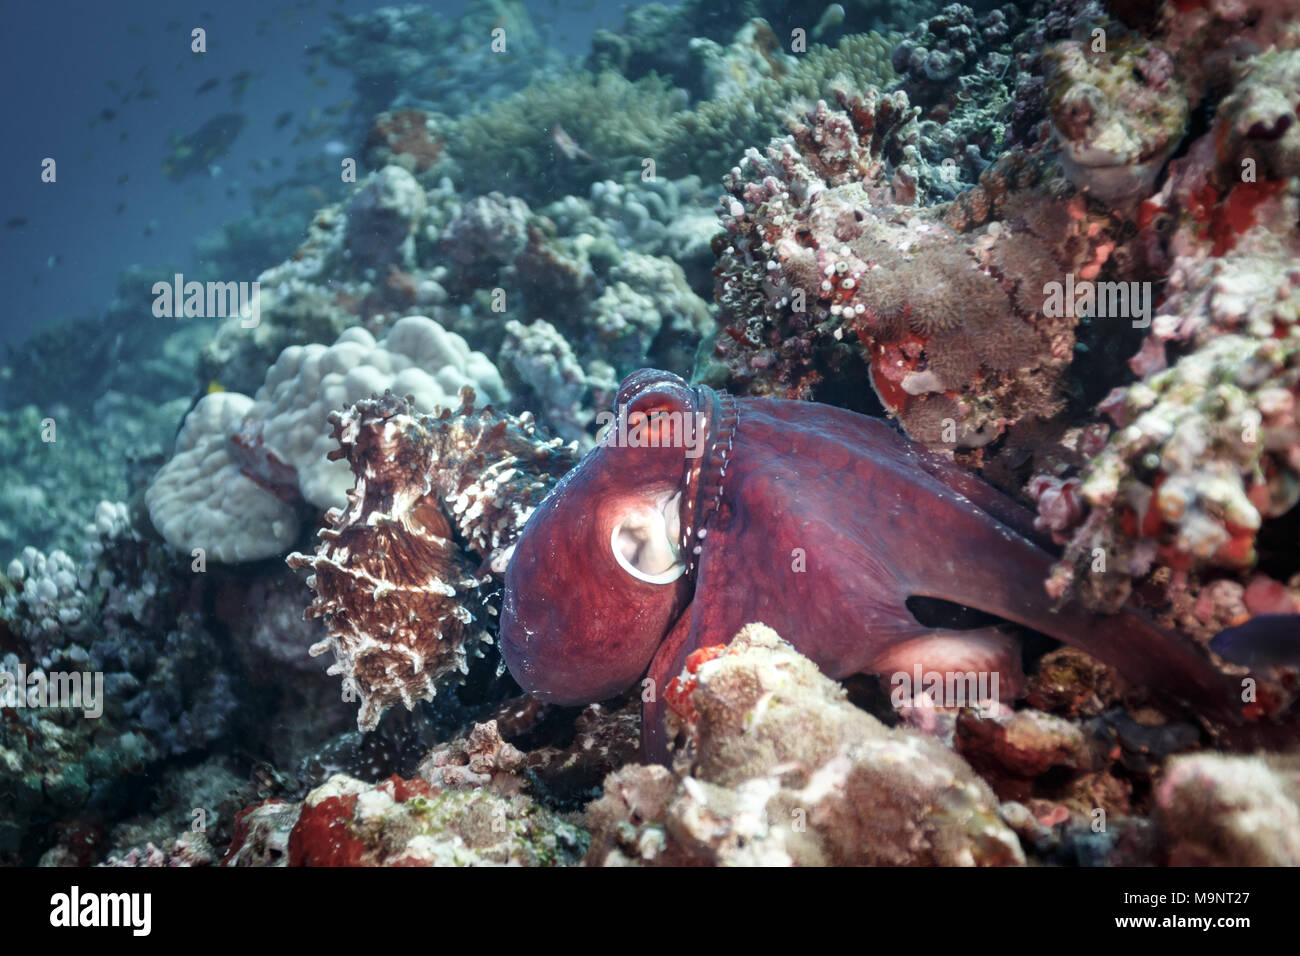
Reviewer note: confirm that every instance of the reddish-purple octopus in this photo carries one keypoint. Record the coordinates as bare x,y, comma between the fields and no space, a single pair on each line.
816,521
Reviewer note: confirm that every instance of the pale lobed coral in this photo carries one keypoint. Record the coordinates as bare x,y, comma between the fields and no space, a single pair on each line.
202,499
241,462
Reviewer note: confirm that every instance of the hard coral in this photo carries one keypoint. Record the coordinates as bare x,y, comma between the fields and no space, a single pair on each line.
241,464
397,822
1207,449
1118,108
828,264
778,768
408,138
400,572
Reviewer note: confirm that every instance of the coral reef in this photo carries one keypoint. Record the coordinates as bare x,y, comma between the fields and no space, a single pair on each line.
561,134
412,56
1230,811
351,266
346,822
1117,112
829,265
892,208
408,138
154,681
779,769
1203,449
584,127
241,463
704,139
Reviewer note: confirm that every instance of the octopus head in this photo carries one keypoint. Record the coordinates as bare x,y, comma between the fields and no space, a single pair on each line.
598,576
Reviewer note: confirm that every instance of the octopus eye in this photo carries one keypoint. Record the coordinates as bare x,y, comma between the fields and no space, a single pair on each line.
644,542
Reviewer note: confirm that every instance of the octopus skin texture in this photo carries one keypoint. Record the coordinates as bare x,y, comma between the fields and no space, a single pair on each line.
817,521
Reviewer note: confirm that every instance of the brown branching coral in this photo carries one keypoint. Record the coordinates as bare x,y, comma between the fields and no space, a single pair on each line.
403,573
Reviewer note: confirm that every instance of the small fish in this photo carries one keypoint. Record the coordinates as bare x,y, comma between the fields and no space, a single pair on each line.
338,108
208,85
107,114
1265,641
17,222
567,147
122,136
121,208
283,119
53,261
123,179
831,18
239,84
214,386
321,82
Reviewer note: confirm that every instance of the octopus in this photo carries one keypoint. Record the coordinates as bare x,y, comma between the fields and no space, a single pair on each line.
701,512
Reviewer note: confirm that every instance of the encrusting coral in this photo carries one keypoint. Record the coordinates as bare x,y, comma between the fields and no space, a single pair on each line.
1204,449
831,263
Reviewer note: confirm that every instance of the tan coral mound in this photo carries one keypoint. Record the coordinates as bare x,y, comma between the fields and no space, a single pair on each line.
780,768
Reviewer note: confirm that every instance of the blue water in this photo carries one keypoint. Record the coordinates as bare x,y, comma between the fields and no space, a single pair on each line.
64,63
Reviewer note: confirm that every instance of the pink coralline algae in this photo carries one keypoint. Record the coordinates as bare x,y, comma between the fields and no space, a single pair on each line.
1205,449
403,573
831,263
